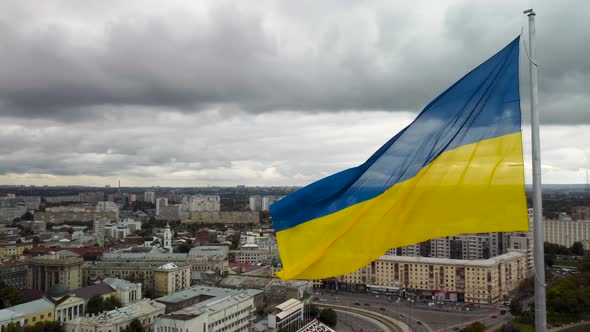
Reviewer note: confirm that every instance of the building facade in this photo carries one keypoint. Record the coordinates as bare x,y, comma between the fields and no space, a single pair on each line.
171,278
476,281
46,271
207,309
146,311
566,232
13,273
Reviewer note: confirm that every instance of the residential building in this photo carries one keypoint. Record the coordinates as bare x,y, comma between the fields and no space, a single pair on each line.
41,310
201,203
267,201
62,199
91,197
250,253
207,309
47,271
170,278
287,316
475,281
14,249
566,232
160,202
13,273
8,214
146,311
66,215
108,206
581,213
221,217
168,212
128,292
255,203
149,196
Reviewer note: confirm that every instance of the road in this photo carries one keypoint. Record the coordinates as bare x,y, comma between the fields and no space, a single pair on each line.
420,318
385,323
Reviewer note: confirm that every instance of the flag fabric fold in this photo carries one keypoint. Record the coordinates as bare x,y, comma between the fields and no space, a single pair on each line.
458,168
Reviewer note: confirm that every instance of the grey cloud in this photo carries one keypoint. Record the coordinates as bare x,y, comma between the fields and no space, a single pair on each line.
310,57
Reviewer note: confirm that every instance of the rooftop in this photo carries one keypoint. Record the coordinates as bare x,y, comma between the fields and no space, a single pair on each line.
117,283
94,290
460,262
124,314
7,314
39,305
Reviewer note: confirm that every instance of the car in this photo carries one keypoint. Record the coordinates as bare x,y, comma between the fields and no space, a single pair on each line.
503,312
494,316
419,322
356,303
368,305
455,328
382,309
402,315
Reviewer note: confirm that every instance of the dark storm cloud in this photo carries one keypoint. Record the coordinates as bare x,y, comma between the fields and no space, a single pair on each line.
61,62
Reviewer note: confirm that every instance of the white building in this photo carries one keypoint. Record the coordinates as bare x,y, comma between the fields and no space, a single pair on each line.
160,202
108,206
287,316
255,203
566,232
201,203
267,201
149,196
146,311
223,310
128,292
167,239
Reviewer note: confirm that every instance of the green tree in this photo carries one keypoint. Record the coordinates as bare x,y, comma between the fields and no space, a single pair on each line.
10,297
111,303
475,327
45,327
184,248
585,264
95,305
13,327
27,216
134,326
516,307
577,249
549,260
328,317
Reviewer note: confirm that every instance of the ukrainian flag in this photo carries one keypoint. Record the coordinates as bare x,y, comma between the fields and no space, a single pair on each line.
458,168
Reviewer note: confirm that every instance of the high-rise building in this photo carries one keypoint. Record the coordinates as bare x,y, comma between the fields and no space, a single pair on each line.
267,201
255,203
149,196
108,206
171,278
160,203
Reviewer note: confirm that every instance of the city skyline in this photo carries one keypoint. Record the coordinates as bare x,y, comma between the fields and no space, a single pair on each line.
281,94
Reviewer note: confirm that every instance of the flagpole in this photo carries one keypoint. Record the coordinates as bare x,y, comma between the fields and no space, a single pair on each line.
538,228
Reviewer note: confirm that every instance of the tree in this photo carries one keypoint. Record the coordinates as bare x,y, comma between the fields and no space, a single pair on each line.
95,305
27,216
577,249
13,327
516,307
475,327
313,310
184,248
549,260
10,297
111,303
45,327
328,317
134,326
585,264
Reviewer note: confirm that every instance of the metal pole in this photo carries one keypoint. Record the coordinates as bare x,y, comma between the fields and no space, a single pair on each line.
538,228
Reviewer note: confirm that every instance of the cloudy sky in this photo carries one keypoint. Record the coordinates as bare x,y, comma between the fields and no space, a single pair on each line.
266,92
